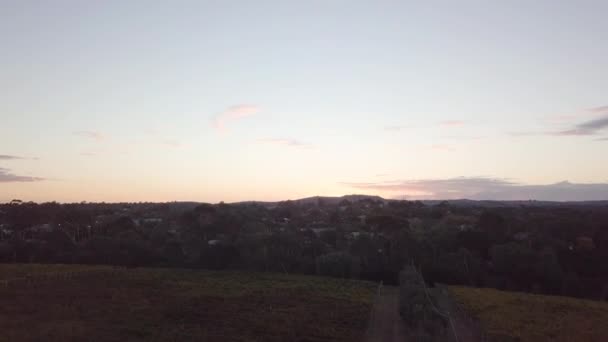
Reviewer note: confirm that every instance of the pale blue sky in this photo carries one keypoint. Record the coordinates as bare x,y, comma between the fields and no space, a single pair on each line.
119,100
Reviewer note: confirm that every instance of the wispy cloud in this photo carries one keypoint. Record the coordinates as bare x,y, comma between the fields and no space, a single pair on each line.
573,132
594,120
524,134
285,142
575,116
595,125
233,114
590,127
560,119
90,135
464,137
7,157
7,177
601,109
487,188
452,123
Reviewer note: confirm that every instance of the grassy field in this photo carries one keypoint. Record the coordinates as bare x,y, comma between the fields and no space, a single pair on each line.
180,305
12,271
528,317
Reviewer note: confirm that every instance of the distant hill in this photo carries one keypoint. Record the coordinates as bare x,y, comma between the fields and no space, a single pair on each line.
502,204
336,200
333,200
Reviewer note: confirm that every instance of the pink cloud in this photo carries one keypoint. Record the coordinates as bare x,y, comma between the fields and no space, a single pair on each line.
7,177
588,114
574,132
560,118
464,137
590,127
524,134
452,123
233,114
487,188
602,109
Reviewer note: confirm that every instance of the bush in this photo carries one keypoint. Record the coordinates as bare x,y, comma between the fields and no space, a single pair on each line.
416,309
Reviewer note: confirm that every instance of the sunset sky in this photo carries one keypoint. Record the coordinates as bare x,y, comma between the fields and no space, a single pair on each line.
270,100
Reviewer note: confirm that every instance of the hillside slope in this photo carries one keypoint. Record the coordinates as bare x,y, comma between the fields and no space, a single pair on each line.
515,316
177,305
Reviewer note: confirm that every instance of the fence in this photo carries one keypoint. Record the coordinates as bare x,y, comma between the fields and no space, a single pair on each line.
445,314
372,316
426,320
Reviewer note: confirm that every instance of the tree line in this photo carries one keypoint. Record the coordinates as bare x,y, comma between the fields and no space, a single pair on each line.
535,248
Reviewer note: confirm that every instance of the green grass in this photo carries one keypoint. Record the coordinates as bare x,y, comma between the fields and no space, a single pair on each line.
538,318
182,305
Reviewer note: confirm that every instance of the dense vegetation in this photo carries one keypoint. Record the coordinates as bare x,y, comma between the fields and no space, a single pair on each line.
149,304
527,246
418,309
525,317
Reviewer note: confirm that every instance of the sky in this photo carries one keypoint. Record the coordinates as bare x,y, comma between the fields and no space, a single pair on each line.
273,100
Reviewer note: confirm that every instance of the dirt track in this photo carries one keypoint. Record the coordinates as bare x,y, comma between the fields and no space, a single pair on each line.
385,323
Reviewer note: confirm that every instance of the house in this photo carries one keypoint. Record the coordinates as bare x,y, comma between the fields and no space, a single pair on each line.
5,231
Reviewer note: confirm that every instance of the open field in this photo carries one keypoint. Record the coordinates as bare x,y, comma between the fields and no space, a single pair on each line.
525,317
182,305
15,271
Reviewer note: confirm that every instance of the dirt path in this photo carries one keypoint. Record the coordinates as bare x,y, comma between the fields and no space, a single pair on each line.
385,323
